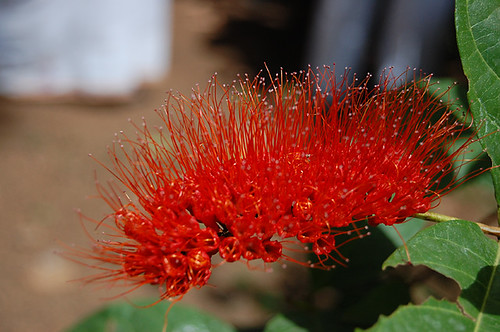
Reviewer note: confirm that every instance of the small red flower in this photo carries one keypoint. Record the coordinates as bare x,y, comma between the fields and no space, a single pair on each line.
246,170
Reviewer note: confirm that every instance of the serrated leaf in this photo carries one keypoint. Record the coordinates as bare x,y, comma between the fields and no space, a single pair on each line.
478,35
124,317
280,323
459,250
430,316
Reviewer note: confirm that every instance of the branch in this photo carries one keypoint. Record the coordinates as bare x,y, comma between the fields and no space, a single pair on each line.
436,217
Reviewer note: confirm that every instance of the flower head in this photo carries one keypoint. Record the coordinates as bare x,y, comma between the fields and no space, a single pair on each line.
248,169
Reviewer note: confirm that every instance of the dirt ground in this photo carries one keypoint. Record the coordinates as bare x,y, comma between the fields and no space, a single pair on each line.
46,174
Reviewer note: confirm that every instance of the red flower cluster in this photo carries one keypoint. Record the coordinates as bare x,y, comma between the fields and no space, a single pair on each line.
249,169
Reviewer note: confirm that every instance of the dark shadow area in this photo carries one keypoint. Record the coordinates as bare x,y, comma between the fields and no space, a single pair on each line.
354,296
483,286
282,34
273,32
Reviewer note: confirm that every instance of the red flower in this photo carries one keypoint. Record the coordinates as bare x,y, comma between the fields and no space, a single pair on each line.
248,169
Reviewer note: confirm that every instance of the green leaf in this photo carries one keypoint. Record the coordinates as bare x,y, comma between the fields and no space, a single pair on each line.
478,35
280,323
459,250
432,315
124,317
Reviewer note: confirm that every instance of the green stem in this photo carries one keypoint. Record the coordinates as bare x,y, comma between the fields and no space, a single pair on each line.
436,217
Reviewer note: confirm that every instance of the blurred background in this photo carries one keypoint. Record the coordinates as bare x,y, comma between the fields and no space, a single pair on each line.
73,72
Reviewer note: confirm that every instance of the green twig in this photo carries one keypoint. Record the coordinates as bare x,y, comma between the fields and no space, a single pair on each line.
436,217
